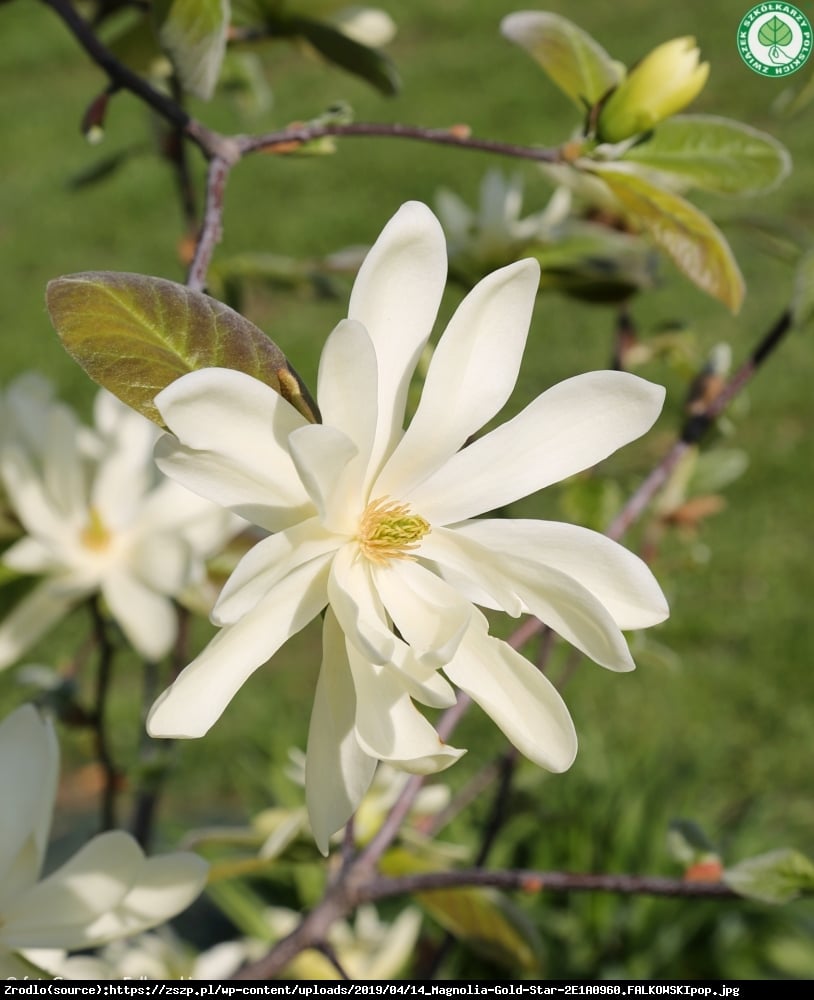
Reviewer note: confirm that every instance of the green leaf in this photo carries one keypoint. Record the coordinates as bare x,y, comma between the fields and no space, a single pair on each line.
135,335
693,242
483,919
802,299
487,923
193,32
371,65
573,59
712,153
776,877
775,32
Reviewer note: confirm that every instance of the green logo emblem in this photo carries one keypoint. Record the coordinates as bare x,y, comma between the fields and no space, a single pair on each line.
774,39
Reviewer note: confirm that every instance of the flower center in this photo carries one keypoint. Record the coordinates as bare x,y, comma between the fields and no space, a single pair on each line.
95,535
388,531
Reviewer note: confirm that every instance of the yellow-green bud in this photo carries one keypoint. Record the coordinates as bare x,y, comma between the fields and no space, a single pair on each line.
664,82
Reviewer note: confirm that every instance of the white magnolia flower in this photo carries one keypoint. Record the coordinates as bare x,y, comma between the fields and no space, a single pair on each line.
495,233
376,523
107,890
99,518
367,949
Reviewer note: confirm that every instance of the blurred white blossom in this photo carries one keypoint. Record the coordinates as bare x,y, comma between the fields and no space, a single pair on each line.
98,518
366,949
107,890
494,234
377,523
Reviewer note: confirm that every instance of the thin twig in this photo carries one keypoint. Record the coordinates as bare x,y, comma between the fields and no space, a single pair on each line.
534,881
212,229
297,135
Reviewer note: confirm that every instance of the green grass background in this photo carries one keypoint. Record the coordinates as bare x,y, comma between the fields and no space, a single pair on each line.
722,732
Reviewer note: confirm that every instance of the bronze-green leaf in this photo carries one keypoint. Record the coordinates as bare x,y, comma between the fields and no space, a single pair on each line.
690,238
135,335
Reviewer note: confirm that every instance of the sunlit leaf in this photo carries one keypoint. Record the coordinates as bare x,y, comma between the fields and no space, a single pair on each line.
776,877
572,58
715,154
135,335
194,34
693,242
482,919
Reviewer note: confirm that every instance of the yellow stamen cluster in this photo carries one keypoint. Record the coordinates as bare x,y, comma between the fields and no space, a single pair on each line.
95,535
388,531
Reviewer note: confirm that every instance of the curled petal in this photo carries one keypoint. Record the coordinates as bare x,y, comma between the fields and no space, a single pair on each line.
388,725
521,700
431,616
617,578
337,771
357,607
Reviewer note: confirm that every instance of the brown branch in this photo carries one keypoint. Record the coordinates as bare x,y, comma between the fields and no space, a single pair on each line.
534,881
212,228
297,135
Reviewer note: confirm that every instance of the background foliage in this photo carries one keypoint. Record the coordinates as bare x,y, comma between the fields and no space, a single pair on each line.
715,724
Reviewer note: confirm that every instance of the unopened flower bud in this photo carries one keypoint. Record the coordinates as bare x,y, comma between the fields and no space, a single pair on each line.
664,82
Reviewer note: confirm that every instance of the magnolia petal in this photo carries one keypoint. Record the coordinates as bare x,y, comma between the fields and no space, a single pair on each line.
32,617
126,473
62,467
28,497
147,619
571,427
322,456
347,385
388,725
57,912
357,606
395,297
163,562
617,578
266,563
337,771
198,697
30,555
464,562
162,888
228,414
430,615
520,699
473,372
523,585
29,769
429,688
244,491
